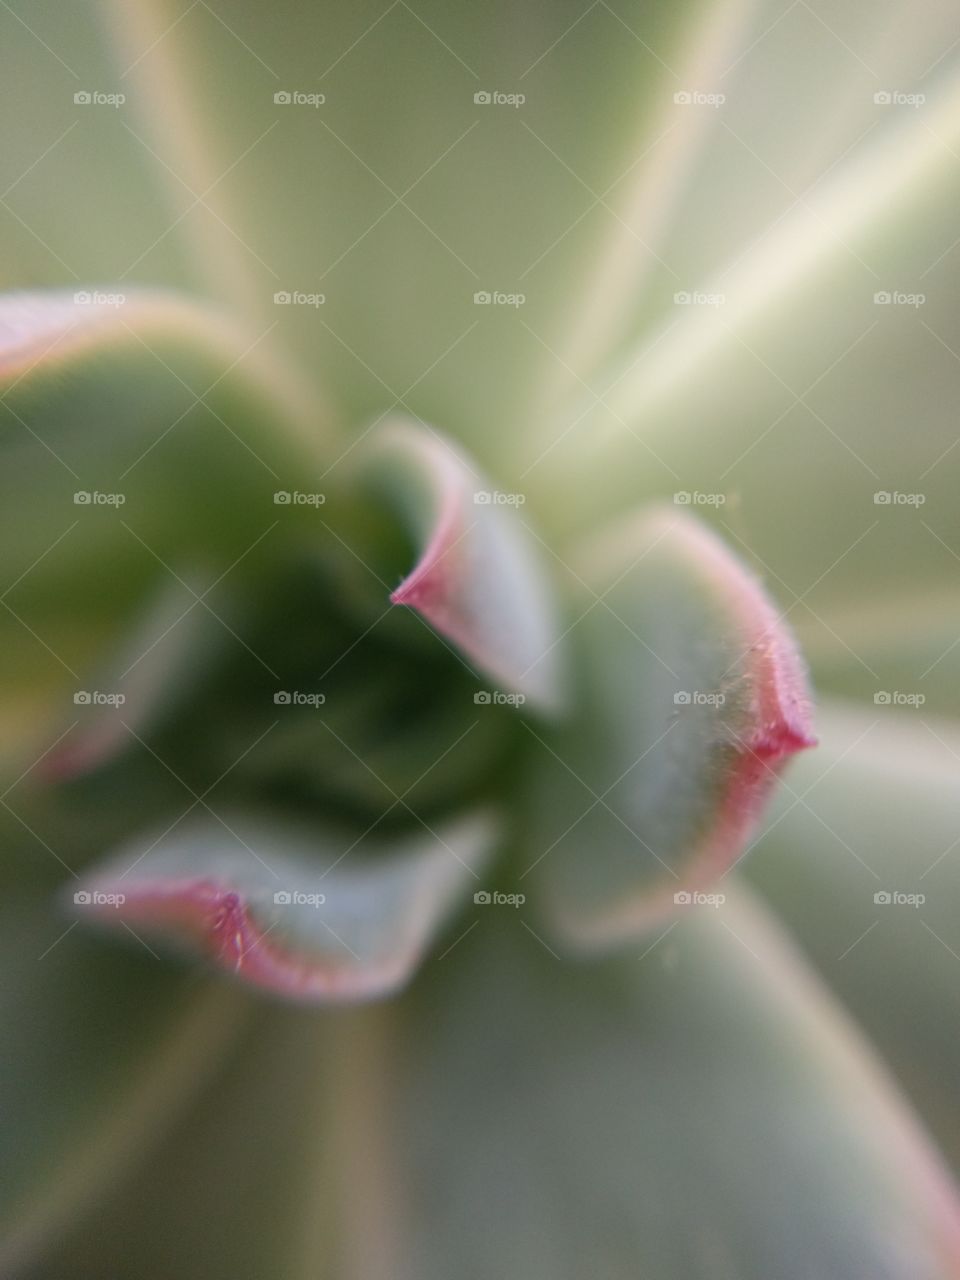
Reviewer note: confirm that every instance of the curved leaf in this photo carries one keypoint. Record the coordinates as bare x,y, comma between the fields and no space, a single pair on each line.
903,641
702,1112
303,915
692,698
100,1051
479,579
144,410
861,857
433,207
153,672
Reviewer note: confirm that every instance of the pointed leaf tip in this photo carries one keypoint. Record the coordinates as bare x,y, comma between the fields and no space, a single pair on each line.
295,912
479,579
694,696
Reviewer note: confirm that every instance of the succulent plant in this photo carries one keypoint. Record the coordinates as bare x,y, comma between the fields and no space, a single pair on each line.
403,553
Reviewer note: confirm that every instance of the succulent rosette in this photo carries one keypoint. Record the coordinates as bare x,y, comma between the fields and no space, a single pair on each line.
405,549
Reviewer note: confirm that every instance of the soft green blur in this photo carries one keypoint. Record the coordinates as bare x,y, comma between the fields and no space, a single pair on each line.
737,267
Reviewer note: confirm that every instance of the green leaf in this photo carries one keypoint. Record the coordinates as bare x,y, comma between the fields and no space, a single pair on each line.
438,196
902,641
101,1051
201,1205
692,696
479,579
135,431
300,913
701,1112
877,812
150,677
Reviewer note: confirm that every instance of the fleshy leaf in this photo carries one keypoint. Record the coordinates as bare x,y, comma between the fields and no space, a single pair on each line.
693,696
154,671
302,915
479,579
273,1105
128,411
861,857
100,1051
701,1113
898,640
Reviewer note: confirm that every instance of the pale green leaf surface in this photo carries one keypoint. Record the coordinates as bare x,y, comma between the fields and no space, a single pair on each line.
480,577
876,811
701,1112
691,696
306,914
100,1051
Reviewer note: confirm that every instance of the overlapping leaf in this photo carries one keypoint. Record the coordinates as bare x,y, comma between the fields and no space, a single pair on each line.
692,696
300,913
479,578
